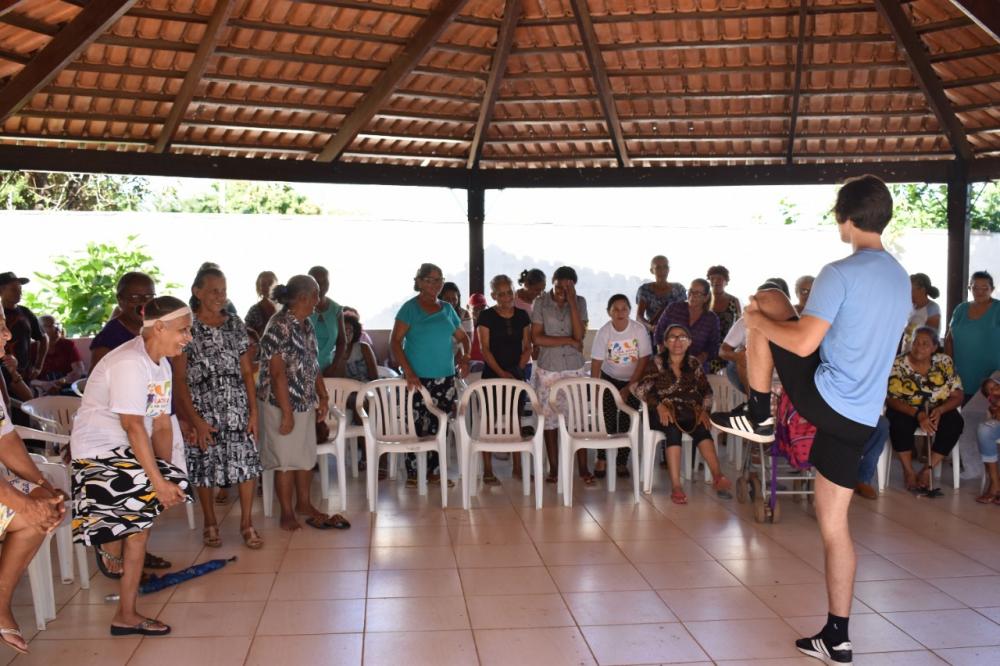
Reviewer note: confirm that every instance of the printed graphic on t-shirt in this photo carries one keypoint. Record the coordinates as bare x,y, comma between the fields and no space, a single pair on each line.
5,425
158,398
623,352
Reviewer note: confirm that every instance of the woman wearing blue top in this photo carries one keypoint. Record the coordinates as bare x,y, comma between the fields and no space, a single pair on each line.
422,339
974,334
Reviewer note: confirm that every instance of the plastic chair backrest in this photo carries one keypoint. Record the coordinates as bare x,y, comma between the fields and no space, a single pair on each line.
390,408
585,404
386,373
493,406
56,474
79,386
49,409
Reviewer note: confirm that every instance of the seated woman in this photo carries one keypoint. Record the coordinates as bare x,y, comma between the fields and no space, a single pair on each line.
619,354
678,400
122,439
696,316
924,392
28,511
988,435
62,365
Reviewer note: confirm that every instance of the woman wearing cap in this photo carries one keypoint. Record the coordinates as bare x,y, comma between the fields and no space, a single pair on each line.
924,392
974,334
696,316
678,399
925,311
988,435
558,326
122,438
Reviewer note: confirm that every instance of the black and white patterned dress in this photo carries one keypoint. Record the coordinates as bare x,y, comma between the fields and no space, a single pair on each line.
220,397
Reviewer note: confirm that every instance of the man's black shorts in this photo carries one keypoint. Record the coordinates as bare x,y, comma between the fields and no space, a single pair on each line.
839,443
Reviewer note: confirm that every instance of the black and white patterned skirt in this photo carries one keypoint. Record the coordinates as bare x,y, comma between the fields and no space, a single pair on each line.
113,498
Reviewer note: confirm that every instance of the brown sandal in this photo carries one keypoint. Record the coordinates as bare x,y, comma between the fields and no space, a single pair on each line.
251,539
210,537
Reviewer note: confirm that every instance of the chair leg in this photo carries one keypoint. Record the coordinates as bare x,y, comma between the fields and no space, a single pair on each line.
466,467
341,476
539,463
635,473
443,471
323,462
686,458
525,476
267,490
882,467
83,565
352,445
371,472
956,467
189,509
38,578
611,467
565,475
392,466
422,473
64,546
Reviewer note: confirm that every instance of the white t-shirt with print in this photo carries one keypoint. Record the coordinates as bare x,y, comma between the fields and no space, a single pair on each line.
620,351
6,425
737,335
126,381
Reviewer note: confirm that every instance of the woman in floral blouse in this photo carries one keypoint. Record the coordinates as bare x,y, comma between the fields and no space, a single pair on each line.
678,399
924,392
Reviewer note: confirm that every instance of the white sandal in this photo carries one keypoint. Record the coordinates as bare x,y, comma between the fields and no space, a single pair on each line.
5,631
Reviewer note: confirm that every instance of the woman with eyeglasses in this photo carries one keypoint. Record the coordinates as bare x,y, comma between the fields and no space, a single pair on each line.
678,399
132,292
974,334
423,335
697,317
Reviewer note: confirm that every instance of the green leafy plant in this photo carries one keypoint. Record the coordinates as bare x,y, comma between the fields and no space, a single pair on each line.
80,292
240,196
32,190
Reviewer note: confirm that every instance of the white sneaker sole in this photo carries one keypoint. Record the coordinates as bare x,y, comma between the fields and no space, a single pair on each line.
822,657
752,436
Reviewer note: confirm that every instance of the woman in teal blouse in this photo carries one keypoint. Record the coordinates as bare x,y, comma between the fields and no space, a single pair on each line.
974,334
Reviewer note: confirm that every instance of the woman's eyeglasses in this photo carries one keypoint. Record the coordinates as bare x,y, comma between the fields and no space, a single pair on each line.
678,338
140,298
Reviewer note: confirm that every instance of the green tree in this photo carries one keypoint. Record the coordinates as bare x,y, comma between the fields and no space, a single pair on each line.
80,292
925,206
30,190
240,197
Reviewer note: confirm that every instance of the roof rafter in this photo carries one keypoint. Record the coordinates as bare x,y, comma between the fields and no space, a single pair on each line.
602,83
916,55
216,24
984,13
505,40
800,50
67,44
391,77
8,5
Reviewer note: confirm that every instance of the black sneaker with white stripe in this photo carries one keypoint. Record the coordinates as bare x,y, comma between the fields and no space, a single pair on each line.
818,647
738,422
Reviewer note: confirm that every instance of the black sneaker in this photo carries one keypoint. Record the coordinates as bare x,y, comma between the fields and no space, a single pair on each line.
739,423
818,647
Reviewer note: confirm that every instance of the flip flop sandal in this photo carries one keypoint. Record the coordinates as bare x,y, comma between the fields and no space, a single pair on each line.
222,499
154,562
988,498
624,472
339,522
5,632
411,482
589,481
436,481
102,566
141,629
334,522
318,524
491,480
678,497
551,479
600,473
251,539
210,537
931,493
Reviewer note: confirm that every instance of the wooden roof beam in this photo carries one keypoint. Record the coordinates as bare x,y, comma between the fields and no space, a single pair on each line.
800,50
916,55
983,13
588,38
216,24
85,27
505,40
7,6
401,67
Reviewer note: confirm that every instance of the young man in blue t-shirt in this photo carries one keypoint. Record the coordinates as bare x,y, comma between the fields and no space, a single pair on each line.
834,364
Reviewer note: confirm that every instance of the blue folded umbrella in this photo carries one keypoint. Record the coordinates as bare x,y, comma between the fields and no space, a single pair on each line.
156,583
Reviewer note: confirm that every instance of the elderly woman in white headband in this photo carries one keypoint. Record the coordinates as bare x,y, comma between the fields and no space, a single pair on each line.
121,442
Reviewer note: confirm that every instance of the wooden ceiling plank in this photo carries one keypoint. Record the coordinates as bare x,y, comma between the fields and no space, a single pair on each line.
403,65
7,6
216,24
916,55
505,40
984,13
800,51
588,38
85,27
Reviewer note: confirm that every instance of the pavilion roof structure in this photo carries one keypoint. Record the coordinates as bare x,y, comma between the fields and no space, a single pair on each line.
492,87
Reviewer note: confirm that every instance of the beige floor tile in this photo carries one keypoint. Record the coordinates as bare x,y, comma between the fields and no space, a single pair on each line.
489,533
490,515
642,530
800,600
316,560
86,621
519,611
745,639
715,603
782,571
410,518
213,619
706,573
914,658
971,656
642,644
976,591
554,532
356,537
742,548
320,649
414,583
992,613
911,595
424,535
325,616
583,552
600,608
891,543
238,587
940,565
988,557
416,614
947,628
787,661
507,580
441,648
870,632
101,586
97,652
171,651
266,560
511,555
680,549
416,557
598,578
311,586
876,567
561,646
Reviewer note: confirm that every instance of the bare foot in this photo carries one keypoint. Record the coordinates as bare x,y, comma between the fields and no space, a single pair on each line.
290,523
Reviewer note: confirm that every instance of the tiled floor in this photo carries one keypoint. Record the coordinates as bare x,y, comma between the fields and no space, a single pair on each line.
604,582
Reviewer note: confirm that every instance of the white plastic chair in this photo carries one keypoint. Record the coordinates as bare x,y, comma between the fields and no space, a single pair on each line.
79,386
54,413
390,428
386,373
341,430
492,407
725,398
651,439
585,428
58,475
